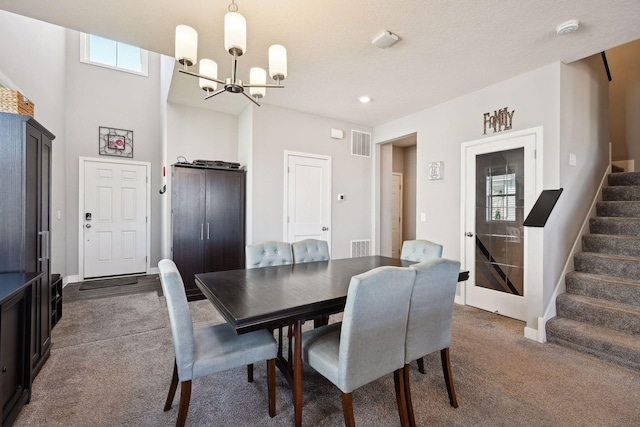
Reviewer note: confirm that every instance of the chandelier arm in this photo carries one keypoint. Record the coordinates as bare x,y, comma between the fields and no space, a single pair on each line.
265,85
251,99
214,94
191,73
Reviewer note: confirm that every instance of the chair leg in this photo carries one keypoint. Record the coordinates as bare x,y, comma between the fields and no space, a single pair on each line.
185,397
271,385
421,365
407,395
172,388
398,380
448,376
347,409
250,373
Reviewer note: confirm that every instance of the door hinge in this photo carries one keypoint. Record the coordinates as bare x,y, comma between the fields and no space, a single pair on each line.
146,219
535,154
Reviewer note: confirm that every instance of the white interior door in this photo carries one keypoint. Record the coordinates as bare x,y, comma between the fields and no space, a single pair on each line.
308,201
500,189
114,218
396,214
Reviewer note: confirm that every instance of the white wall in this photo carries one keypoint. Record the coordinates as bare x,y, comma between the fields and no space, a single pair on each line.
98,96
32,61
194,133
624,101
278,129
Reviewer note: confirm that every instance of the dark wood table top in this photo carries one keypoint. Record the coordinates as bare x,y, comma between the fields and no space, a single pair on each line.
269,297
12,283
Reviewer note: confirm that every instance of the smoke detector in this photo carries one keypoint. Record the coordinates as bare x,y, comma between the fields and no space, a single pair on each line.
567,27
384,39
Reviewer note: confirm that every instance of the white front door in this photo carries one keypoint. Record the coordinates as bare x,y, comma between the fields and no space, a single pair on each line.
396,214
308,200
499,187
114,200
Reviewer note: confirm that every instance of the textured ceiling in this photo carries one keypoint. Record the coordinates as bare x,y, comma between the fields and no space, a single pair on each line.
447,48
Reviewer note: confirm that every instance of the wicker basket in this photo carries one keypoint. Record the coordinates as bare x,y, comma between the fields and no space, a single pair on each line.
12,101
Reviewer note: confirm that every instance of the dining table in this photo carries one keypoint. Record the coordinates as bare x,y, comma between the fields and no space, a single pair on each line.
278,296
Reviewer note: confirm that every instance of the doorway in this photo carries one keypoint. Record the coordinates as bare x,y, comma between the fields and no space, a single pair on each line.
499,189
307,197
114,198
397,194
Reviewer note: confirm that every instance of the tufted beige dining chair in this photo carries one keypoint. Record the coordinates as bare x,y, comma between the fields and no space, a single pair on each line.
210,350
268,253
430,318
369,342
310,250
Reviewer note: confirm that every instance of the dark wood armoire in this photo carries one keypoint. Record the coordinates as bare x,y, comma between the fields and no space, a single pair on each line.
208,221
25,213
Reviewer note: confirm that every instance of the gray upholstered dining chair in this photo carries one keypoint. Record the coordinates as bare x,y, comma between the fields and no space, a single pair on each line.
310,250
268,253
369,342
210,350
420,250
430,318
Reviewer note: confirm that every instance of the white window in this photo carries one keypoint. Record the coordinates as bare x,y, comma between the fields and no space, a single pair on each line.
501,197
112,54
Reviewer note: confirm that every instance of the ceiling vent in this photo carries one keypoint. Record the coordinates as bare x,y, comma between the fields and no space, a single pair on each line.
360,143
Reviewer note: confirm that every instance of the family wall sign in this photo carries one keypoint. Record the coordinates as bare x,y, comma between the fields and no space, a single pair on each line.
501,120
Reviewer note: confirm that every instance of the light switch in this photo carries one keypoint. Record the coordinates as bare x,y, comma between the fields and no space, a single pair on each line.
423,217
59,215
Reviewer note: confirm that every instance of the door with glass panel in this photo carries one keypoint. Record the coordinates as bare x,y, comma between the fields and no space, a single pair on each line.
500,190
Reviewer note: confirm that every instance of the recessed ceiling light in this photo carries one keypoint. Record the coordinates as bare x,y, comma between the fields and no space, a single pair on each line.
364,99
567,27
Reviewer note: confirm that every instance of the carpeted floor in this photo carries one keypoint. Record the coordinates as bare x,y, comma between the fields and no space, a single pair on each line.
112,358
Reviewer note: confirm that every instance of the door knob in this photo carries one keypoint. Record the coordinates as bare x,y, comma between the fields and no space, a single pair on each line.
88,225
469,234
325,228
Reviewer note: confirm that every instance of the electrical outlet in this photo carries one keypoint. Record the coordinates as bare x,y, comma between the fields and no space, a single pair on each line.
572,159
423,217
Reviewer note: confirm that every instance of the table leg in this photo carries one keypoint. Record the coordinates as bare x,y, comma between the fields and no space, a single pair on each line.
297,372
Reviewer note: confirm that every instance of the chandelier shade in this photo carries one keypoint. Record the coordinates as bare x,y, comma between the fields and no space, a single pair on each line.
186,45
257,80
235,42
235,33
277,62
208,68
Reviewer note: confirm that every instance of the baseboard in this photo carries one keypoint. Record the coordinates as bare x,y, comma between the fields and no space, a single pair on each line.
153,270
70,279
539,334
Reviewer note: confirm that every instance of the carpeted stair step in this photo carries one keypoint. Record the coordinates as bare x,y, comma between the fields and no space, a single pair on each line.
611,244
607,314
614,346
629,193
607,265
618,209
612,225
604,287
627,178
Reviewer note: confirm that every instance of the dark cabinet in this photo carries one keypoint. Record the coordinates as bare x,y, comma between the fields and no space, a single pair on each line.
208,222
25,240
16,294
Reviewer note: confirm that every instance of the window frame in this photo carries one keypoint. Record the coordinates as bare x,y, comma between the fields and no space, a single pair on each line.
85,55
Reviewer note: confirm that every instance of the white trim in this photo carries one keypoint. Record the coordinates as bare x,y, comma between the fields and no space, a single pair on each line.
532,275
85,51
81,161
285,202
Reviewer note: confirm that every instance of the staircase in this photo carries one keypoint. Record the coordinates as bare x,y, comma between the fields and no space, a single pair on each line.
600,312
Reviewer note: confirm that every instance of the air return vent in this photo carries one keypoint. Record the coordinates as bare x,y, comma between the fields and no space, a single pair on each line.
360,248
360,143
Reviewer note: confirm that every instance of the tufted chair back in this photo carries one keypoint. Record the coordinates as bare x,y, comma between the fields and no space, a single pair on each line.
431,311
268,253
310,250
420,250
179,318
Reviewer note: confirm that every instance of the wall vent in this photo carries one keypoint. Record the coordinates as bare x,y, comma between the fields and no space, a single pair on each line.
360,248
360,143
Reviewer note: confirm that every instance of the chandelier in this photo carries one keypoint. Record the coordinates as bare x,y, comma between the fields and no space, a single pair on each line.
235,42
